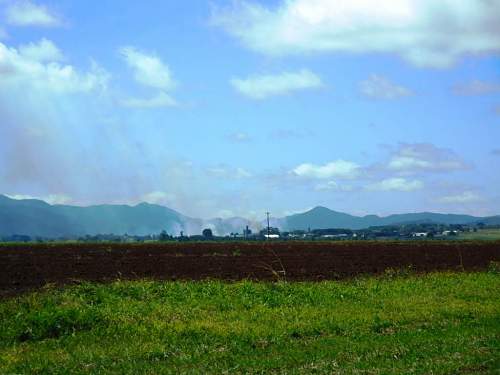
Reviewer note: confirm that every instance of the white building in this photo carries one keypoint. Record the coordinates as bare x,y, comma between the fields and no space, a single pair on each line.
272,236
420,234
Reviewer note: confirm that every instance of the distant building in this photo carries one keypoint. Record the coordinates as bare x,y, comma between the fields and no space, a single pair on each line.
272,232
247,232
341,235
420,234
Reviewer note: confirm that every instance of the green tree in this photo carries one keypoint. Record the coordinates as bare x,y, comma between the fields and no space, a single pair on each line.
164,236
207,233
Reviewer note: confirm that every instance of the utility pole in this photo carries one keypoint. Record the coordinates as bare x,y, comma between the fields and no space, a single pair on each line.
268,228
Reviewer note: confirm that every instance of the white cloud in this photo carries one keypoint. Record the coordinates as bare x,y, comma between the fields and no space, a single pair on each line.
426,33
26,13
225,214
396,184
161,100
28,67
158,197
465,197
50,199
378,87
335,169
263,86
49,116
477,87
424,157
43,51
149,70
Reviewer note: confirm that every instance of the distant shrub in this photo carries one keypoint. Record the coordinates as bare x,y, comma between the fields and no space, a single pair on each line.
399,272
494,267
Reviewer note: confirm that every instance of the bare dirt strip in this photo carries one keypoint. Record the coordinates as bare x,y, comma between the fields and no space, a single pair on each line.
25,267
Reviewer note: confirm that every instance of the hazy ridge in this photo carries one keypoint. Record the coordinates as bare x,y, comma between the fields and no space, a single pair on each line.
37,218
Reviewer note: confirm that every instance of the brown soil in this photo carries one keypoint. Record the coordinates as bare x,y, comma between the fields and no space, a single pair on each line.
24,267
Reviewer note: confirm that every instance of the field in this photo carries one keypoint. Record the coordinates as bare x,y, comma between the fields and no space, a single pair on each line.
429,307
26,267
437,323
481,234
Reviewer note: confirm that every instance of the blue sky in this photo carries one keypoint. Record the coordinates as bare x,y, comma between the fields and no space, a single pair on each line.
223,108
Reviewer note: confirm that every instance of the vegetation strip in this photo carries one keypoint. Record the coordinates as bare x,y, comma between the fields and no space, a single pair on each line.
439,323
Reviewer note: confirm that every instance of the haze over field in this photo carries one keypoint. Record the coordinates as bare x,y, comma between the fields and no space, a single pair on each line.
234,108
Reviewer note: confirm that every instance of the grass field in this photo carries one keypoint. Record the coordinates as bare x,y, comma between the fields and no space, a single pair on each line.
440,323
481,234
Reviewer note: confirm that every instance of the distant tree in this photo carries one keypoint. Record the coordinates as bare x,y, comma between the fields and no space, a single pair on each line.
163,236
207,233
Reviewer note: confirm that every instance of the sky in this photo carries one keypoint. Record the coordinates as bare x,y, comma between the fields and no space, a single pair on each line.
235,108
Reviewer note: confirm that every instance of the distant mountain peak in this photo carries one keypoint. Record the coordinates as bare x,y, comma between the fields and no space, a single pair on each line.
317,210
37,218
320,208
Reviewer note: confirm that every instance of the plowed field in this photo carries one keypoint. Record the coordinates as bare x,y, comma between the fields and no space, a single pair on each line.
24,267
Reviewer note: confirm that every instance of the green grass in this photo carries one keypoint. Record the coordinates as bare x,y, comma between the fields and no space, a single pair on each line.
440,323
481,234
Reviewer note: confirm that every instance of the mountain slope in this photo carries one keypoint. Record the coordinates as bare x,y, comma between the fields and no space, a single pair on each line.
32,217
322,218
37,218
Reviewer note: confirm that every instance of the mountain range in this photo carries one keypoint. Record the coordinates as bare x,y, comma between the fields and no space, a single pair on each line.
37,218
322,217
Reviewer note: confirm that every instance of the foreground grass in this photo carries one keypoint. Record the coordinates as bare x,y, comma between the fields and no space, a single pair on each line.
441,323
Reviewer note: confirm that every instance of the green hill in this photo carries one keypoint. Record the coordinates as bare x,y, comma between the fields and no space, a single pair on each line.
322,218
37,218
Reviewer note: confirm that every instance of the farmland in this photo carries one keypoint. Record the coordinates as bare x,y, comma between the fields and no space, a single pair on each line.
251,308
31,266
